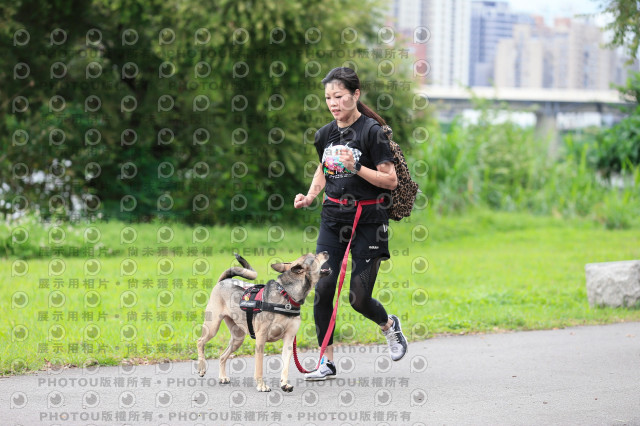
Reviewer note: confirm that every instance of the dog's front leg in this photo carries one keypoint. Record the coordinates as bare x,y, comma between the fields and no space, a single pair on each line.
287,351
260,342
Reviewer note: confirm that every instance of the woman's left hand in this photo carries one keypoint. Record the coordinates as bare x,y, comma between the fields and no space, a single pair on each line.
346,158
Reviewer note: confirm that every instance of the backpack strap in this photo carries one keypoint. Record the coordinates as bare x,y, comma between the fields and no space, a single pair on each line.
368,125
366,129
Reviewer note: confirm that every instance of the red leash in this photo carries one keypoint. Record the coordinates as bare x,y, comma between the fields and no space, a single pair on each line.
343,271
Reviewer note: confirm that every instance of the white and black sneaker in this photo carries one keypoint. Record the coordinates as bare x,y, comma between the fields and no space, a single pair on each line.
395,339
326,370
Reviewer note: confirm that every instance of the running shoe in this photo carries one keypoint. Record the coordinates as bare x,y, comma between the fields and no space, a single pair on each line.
326,370
395,339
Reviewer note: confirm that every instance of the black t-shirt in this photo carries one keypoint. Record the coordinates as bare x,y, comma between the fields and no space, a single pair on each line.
370,150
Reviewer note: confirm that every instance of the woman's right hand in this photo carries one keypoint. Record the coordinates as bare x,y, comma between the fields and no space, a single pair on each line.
302,201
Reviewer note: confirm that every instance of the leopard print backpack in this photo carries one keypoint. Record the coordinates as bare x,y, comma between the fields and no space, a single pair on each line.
404,196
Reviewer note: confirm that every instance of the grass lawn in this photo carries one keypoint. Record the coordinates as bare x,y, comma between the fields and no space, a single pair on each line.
143,299
520,279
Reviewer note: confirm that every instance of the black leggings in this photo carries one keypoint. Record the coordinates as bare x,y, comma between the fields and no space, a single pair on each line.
363,277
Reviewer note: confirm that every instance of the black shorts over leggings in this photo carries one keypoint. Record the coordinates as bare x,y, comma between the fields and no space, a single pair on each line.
368,248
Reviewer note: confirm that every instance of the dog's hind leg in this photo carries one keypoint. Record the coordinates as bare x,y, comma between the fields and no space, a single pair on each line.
209,330
237,337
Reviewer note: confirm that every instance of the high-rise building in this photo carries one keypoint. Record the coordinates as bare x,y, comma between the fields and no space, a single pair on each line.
569,55
491,21
448,49
408,18
520,59
407,14
484,43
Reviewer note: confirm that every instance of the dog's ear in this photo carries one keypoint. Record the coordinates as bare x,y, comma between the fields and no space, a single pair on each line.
281,267
298,269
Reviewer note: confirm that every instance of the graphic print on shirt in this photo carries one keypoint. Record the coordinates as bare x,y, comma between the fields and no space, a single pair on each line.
331,164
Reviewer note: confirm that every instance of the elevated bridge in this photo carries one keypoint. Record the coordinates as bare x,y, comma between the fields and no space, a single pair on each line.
546,104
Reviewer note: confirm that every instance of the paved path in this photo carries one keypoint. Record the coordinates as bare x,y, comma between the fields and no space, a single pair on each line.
575,376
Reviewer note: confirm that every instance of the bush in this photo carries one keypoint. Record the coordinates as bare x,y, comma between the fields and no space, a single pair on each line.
619,145
482,164
504,167
616,211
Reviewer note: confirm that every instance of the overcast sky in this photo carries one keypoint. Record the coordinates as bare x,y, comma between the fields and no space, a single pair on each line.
556,8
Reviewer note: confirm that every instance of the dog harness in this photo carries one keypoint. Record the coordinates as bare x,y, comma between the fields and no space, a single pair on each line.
252,303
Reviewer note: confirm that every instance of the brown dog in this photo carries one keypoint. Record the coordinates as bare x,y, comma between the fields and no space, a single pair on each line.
296,278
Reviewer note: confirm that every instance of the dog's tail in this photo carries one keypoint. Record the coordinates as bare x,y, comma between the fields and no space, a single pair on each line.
245,272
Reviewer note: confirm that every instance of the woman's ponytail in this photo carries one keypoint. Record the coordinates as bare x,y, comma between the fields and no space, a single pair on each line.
364,109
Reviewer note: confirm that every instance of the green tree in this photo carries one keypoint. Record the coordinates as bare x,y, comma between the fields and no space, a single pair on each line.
199,111
625,24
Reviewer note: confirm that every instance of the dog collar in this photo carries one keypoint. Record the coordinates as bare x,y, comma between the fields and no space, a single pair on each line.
290,299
